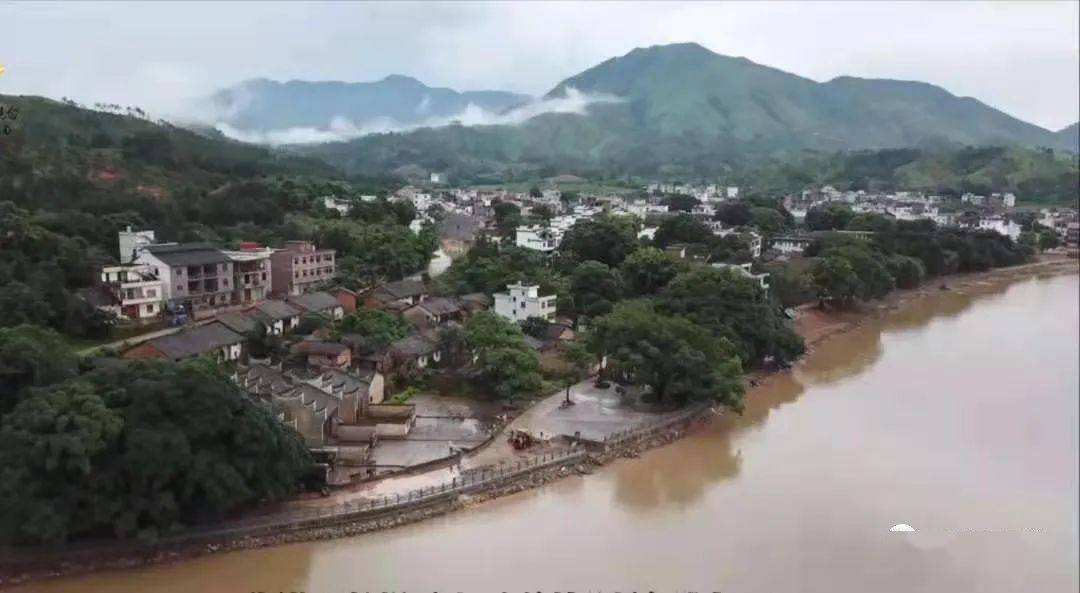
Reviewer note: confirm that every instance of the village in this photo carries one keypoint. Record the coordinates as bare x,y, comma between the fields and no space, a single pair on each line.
283,325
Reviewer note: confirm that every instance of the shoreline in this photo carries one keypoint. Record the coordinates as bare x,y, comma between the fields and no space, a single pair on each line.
815,325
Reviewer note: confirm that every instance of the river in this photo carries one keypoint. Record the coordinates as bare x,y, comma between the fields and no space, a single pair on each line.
956,415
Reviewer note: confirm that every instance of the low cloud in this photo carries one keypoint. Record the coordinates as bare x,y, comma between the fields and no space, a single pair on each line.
341,129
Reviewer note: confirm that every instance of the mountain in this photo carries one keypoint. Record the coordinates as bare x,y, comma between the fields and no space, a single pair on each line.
262,105
684,110
1069,137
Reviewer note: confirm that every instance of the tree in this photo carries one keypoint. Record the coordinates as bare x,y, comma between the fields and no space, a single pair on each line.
534,326
309,322
503,364
1048,239
507,218
378,328
543,212
681,228
48,448
594,288
875,281
676,360
680,202
836,281
734,213
732,248
768,220
606,239
647,270
578,360
831,216
735,308
907,271
31,356
138,449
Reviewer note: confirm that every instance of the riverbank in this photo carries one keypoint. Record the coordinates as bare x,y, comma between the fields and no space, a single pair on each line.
818,327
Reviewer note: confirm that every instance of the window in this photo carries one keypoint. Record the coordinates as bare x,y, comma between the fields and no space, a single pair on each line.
264,275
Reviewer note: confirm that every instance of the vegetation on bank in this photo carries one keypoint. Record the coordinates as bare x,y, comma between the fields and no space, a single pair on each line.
118,449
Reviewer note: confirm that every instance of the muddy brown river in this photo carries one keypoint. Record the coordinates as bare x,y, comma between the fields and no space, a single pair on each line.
956,415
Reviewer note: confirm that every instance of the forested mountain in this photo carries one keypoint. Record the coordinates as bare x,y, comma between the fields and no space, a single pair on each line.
262,105
682,109
1069,137
1036,176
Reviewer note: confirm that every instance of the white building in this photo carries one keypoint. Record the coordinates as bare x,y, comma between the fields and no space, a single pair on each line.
332,203
790,245
522,301
130,241
537,237
1001,226
744,270
137,288
435,177
732,192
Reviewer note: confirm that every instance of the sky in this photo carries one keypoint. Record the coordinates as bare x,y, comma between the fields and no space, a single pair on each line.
1020,57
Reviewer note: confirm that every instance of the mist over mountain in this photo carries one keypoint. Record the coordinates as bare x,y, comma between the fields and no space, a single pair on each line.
683,108
267,110
1069,137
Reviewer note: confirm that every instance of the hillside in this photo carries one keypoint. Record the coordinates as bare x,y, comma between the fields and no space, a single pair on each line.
262,105
684,110
1069,137
1035,176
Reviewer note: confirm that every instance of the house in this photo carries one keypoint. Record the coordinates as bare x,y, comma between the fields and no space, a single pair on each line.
309,410
278,316
1072,235
300,267
412,352
213,339
349,299
522,301
318,302
790,245
536,237
408,292
476,302
251,273
433,312
745,270
197,276
137,292
240,323
324,354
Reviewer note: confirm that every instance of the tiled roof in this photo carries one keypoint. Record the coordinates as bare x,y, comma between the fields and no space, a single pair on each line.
238,322
413,346
275,310
200,340
315,302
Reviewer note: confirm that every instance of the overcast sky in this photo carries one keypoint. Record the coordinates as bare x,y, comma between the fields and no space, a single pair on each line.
1022,58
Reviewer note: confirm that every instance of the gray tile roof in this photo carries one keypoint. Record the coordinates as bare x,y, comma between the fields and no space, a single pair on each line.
200,340
275,310
238,322
187,254
413,346
315,302
403,289
440,306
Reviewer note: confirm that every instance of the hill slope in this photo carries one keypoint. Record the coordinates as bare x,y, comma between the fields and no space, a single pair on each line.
1069,137
262,105
683,109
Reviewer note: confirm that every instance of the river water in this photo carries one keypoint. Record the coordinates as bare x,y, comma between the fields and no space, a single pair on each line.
956,415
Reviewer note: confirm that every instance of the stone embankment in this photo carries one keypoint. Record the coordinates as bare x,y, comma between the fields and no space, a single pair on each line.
20,565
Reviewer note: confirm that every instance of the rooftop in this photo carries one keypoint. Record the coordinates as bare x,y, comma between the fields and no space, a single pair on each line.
187,254
315,301
193,342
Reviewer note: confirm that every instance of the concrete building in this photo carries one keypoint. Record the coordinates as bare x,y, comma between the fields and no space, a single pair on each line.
790,245
537,237
251,273
746,271
137,290
196,275
214,340
300,267
130,241
522,301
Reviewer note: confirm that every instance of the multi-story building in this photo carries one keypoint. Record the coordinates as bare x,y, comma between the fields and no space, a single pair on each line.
195,275
136,288
300,267
251,273
522,301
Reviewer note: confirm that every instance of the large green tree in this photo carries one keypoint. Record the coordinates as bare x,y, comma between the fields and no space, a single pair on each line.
31,356
595,289
607,239
673,358
647,270
736,308
504,365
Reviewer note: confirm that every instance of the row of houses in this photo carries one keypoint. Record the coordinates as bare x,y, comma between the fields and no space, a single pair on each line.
201,278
